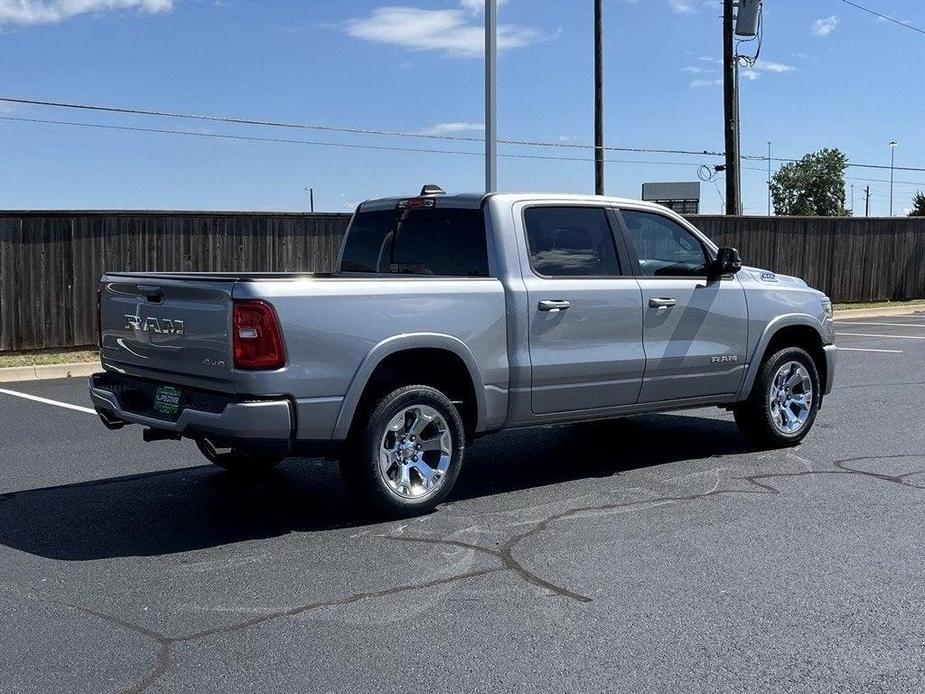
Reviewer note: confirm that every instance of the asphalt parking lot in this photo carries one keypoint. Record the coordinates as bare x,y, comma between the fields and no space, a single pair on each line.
652,554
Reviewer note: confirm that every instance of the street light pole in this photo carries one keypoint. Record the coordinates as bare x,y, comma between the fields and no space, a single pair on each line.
599,97
892,162
491,96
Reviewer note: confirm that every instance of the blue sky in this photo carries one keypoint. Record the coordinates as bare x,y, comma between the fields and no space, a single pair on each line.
829,75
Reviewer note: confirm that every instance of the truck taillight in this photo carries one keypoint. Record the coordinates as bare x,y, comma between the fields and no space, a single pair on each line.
257,339
99,318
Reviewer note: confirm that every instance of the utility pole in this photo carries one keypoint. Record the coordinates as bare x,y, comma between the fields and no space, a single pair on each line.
491,96
730,112
311,198
852,199
867,203
769,178
892,163
599,97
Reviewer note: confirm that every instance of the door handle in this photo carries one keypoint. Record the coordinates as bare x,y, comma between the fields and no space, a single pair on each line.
553,305
663,302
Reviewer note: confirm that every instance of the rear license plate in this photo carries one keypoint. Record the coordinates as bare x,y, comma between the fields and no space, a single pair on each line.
167,400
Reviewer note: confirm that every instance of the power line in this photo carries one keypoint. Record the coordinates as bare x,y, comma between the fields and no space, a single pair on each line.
760,157
387,133
851,178
319,143
883,16
339,129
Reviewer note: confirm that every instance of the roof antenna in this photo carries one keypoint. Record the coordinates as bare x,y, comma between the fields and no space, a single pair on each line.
431,189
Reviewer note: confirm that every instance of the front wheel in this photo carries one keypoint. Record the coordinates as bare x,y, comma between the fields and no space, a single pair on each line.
407,455
784,400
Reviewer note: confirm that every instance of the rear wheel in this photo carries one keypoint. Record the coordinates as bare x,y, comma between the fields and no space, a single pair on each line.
406,457
782,406
236,461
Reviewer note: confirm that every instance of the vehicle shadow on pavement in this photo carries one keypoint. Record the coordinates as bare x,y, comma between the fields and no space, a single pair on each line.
194,508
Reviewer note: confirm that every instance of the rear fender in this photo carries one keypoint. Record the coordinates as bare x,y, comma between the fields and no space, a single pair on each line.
400,343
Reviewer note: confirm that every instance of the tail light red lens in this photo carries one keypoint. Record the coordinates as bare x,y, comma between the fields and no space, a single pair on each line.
257,339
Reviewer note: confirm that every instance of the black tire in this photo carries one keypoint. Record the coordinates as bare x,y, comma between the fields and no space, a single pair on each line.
755,416
238,462
360,461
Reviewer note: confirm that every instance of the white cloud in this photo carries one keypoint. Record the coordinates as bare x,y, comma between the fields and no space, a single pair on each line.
824,26
696,70
771,66
453,128
51,11
706,83
450,31
682,6
476,6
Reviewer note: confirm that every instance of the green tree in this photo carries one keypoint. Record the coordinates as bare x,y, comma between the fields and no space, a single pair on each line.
918,205
814,185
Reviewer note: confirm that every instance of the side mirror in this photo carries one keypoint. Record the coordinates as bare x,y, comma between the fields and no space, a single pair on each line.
727,262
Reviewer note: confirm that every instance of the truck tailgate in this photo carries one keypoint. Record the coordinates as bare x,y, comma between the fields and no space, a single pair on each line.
155,324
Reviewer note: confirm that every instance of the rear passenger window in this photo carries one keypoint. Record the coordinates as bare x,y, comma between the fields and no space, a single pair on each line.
437,241
571,241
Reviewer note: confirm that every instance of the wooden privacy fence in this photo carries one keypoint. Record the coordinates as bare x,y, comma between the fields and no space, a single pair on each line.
849,258
50,261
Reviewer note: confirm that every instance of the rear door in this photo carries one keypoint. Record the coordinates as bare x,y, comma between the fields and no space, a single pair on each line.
157,326
585,313
695,329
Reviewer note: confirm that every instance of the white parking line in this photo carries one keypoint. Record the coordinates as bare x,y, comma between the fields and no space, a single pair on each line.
46,401
861,349
892,325
898,337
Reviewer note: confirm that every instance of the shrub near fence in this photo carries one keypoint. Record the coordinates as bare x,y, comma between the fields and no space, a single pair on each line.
50,261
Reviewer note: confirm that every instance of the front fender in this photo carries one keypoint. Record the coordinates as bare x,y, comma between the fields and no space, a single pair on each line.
400,343
771,329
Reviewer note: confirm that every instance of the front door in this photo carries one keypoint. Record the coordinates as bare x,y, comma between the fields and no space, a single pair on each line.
585,314
695,329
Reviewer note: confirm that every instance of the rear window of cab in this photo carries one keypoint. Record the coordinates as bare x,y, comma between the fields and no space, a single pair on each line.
442,242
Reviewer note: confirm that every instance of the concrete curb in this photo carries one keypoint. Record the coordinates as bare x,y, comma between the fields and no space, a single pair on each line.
41,373
846,314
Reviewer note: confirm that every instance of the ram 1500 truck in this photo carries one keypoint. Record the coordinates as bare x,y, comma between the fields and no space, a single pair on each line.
451,316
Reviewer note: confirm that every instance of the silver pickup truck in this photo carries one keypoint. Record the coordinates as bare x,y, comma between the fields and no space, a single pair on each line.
452,316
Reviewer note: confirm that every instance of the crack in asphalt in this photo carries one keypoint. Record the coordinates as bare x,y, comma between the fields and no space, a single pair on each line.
165,643
504,552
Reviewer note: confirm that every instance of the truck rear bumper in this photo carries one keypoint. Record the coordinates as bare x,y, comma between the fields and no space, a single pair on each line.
256,425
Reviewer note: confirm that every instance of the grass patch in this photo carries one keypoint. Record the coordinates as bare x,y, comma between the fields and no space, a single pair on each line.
43,357
880,304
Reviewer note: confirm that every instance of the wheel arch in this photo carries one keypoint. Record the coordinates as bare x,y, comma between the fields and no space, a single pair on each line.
433,359
793,330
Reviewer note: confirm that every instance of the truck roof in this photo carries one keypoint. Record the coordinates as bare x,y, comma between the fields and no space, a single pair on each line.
475,200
